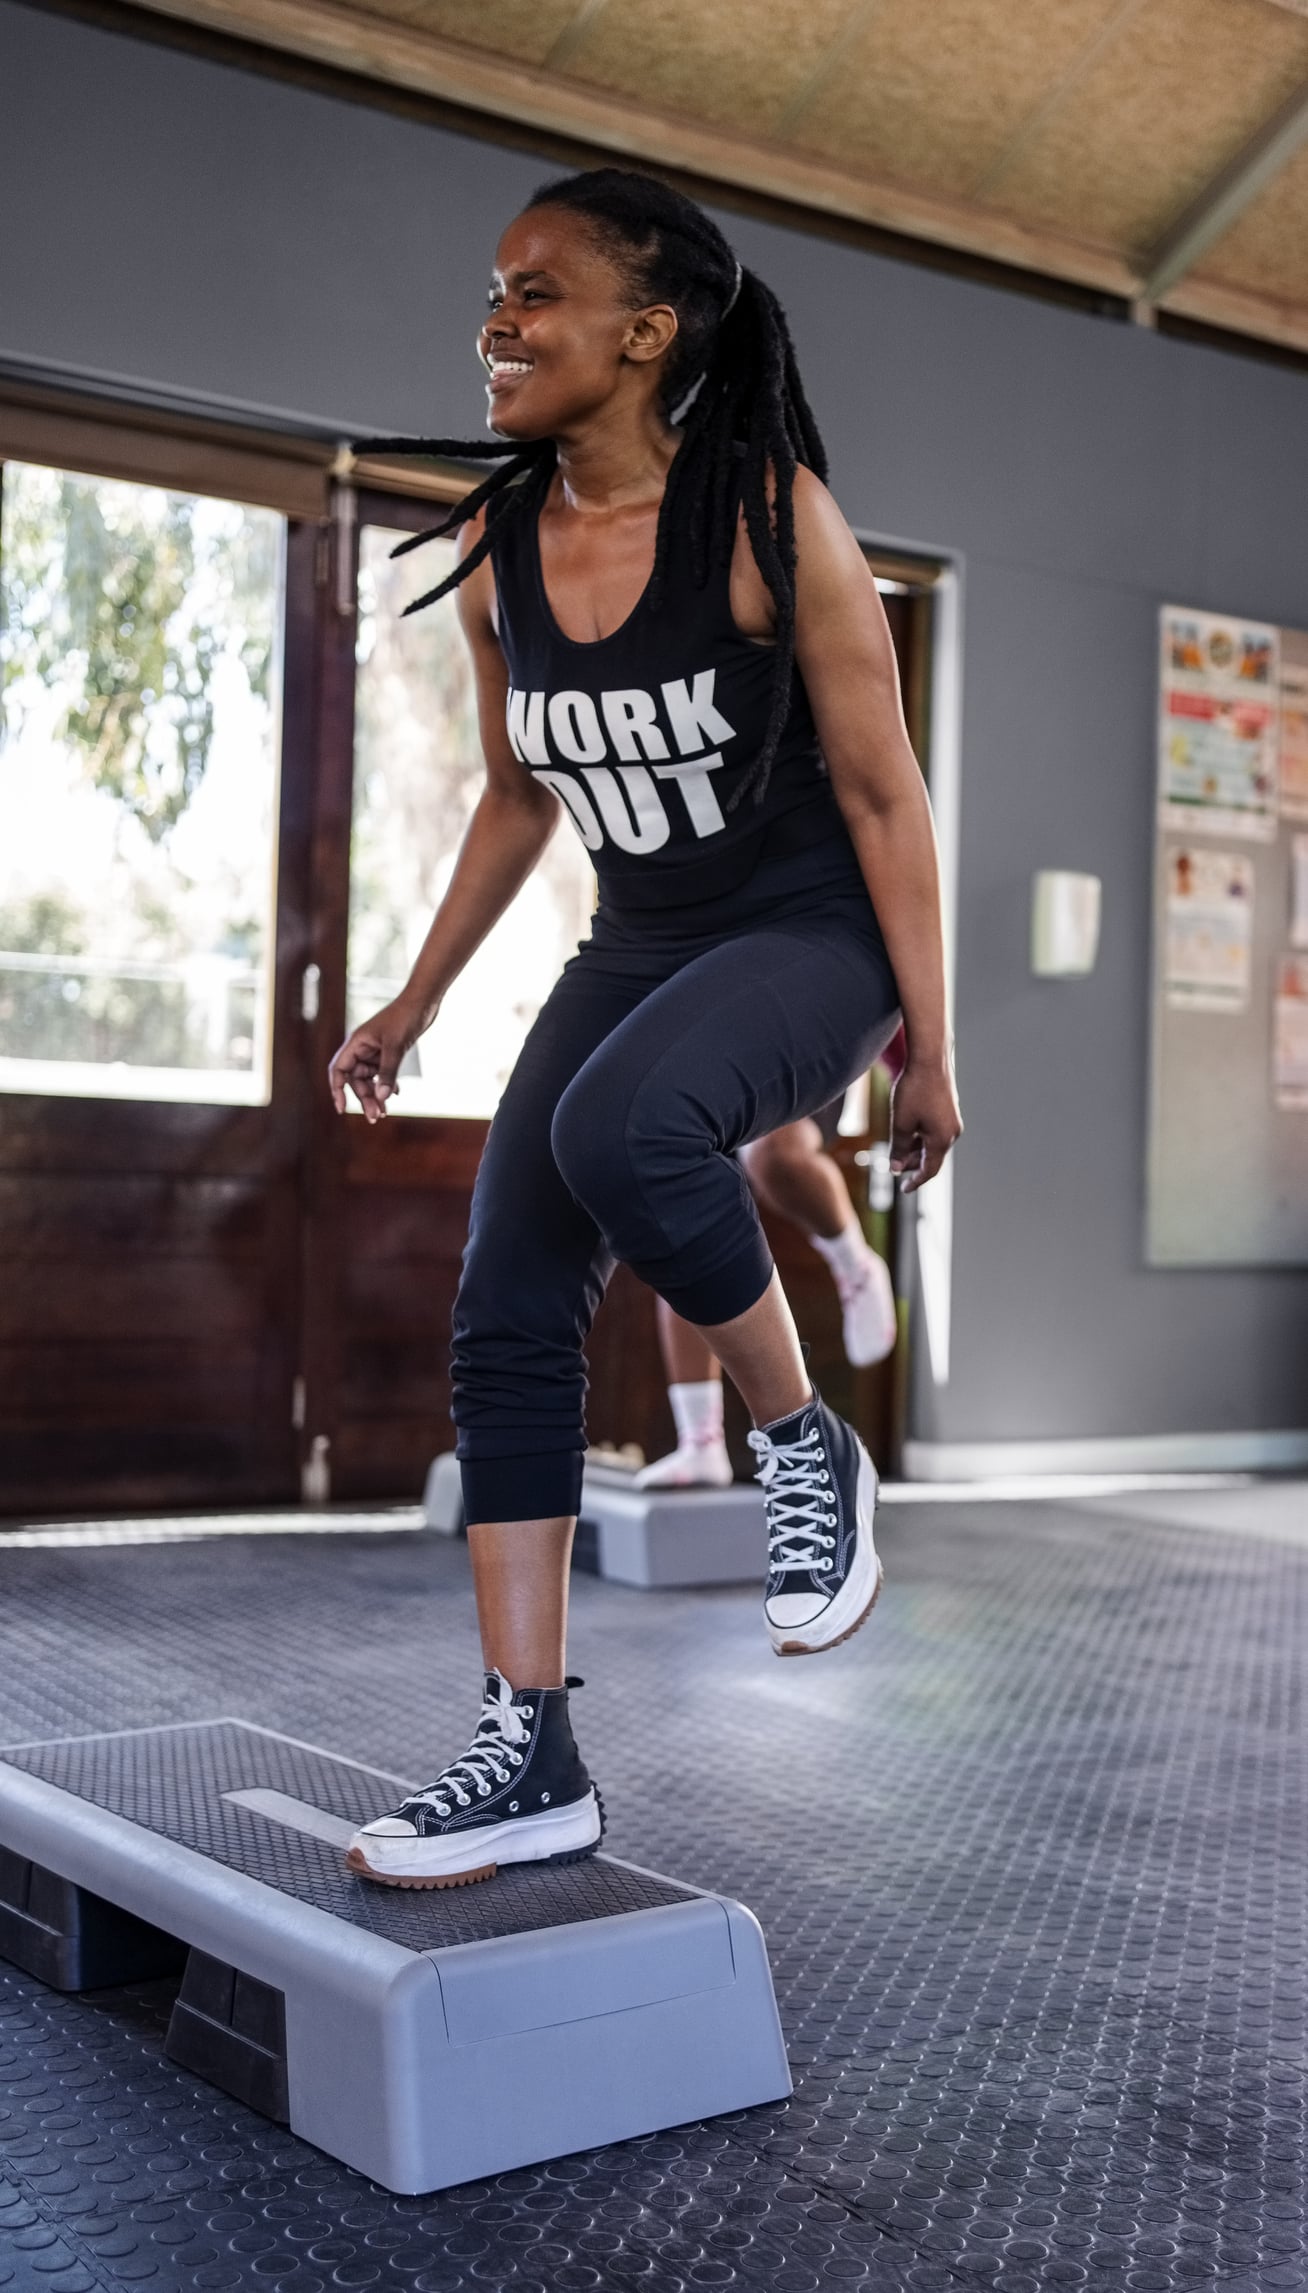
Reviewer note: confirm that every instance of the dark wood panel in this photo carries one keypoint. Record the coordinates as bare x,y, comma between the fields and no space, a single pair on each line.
100,1216
392,1377
627,1400
390,1461
127,1383
173,1301
408,1226
409,1311
115,1135
411,1150
107,1470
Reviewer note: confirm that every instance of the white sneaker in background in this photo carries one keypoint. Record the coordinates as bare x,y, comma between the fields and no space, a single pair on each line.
700,1464
867,1304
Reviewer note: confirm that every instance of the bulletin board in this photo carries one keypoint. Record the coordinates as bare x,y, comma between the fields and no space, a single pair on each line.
1227,1181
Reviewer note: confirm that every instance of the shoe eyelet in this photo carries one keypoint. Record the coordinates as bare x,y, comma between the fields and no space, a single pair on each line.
483,1791
515,1759
527,1712
513,1807
544,1799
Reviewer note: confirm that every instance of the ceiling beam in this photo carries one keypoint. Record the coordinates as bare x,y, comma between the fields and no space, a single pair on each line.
1224,200
1236,311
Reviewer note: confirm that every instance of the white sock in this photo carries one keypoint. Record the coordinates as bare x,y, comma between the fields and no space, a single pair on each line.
697,1411
845,1253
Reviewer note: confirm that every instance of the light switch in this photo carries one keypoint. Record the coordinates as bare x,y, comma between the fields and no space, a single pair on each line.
1065,910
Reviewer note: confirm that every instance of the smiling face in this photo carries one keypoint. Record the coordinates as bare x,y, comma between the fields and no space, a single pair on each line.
563,338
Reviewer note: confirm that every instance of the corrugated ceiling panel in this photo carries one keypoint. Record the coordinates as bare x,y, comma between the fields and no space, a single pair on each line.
526,30
1169,102
930,95
1266,252
736,65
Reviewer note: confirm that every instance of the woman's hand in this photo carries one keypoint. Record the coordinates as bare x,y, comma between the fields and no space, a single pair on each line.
925,1122
369,1060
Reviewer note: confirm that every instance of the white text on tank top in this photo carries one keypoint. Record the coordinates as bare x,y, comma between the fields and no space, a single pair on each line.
617,765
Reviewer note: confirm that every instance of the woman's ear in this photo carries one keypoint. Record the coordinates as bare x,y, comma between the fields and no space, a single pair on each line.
650,333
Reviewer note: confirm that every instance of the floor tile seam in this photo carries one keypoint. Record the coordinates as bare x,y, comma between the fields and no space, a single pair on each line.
63,2229
819,2187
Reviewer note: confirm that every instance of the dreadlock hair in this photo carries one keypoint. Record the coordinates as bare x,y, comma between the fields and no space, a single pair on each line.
730,377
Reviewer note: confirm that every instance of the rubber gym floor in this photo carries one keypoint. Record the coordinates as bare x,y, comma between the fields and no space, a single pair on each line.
1029,1854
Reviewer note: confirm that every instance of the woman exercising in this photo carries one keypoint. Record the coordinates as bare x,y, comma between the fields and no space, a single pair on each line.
678,642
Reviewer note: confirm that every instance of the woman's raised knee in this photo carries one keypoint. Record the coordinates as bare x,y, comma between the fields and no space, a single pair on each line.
588,1136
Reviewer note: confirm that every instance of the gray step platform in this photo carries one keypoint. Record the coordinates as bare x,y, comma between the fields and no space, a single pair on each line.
424,2038
662,1538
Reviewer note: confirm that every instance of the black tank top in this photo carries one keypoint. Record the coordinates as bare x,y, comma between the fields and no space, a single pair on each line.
646,734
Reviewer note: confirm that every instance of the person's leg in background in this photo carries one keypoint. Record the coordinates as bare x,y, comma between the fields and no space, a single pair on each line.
694,1376
791,1173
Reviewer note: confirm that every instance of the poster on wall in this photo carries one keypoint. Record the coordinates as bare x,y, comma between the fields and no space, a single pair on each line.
1209,929
1290,1035
1220,724
1299,892
1294,738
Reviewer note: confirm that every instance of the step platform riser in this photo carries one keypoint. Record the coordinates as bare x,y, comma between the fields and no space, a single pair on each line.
663,1540
422,2063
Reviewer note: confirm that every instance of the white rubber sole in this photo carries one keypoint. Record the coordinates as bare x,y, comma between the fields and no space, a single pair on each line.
557,1835
858,1595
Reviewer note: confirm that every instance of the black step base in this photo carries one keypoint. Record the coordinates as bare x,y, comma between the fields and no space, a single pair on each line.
72,1939
231,2030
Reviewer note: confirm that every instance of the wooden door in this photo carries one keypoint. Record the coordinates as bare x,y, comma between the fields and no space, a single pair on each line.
151,940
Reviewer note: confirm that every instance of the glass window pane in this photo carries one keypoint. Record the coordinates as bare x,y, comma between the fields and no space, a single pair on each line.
140,652
418,770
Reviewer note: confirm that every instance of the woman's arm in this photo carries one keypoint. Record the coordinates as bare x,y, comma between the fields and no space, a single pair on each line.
844,649
509,829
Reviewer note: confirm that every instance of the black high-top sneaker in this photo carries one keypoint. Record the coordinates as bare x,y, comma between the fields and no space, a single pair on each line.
520,1794
820,1492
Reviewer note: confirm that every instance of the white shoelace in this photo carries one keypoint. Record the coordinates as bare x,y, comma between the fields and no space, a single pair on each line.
798,1493
493,1752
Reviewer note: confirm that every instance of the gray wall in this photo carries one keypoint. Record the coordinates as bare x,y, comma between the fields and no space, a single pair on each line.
205,234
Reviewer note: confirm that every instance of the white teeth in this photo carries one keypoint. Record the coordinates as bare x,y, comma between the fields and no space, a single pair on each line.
510,366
